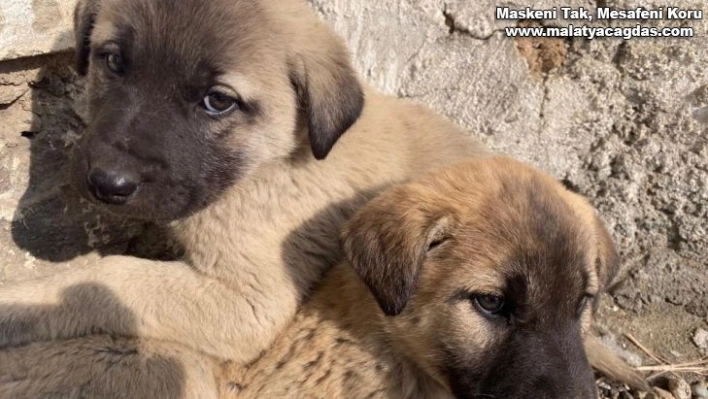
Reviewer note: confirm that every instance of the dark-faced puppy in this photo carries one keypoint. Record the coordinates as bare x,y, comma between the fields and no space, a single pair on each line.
243,124
489,271
484,276
188,97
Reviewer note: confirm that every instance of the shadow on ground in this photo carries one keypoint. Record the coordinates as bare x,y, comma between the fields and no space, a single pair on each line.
51,222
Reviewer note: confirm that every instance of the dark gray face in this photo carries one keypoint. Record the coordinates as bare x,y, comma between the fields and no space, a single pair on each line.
538,349
531,366
489,286
536,318
188,97
149,156
157,140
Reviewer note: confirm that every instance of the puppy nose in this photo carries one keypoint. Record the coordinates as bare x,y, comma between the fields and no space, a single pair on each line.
111,188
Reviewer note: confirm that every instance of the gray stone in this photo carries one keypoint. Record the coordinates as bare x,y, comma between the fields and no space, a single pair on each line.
679,388
700,338
700,390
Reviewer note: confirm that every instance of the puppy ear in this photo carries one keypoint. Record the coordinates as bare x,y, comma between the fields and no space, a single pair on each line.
387,242
327,86
84,18
608,259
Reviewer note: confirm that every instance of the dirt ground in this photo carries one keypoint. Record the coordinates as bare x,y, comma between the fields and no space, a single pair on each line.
622,122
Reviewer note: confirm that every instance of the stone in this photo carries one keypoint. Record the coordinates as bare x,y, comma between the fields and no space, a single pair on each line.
662,394
700,338
679,388
700,390
17,120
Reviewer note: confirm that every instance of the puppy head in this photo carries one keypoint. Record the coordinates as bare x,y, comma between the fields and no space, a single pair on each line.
187,97
487,271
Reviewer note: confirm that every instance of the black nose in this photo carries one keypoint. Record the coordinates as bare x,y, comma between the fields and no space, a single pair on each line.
111,188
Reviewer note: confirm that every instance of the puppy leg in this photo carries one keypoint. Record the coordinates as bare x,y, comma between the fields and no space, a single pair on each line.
141,298
105,367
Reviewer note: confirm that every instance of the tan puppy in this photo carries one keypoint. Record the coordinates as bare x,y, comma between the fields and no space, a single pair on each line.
476,281
217,116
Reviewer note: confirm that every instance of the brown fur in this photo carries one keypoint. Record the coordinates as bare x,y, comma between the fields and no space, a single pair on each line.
402,336
343,344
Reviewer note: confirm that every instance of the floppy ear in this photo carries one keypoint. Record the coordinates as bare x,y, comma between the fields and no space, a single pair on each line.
84,18
608,260
387,241
327,87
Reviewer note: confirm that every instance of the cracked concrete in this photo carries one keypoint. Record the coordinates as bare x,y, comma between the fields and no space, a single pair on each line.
624,122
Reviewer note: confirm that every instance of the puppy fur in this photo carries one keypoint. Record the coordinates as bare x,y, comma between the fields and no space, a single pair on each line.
410,328
256,195
401,318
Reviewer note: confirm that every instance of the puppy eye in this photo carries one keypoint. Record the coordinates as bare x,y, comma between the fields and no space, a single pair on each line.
114,63
490,305
217,103
436,243
582,304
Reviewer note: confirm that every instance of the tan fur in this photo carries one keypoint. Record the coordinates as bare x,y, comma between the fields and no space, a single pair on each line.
340,344
254,254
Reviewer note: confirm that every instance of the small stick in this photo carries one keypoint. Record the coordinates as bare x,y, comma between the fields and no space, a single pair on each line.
699,367
644,349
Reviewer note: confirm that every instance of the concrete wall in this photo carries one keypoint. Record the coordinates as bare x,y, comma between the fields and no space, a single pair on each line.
33,27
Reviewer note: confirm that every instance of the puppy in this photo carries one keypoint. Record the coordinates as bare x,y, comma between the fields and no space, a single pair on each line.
242,124
476,281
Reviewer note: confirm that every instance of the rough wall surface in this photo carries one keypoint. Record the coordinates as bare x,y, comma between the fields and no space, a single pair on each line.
34,27
624,122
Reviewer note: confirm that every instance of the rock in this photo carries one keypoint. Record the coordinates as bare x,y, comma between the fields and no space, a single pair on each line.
700,338
700,390
10,93
679,388
17,120
662,394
